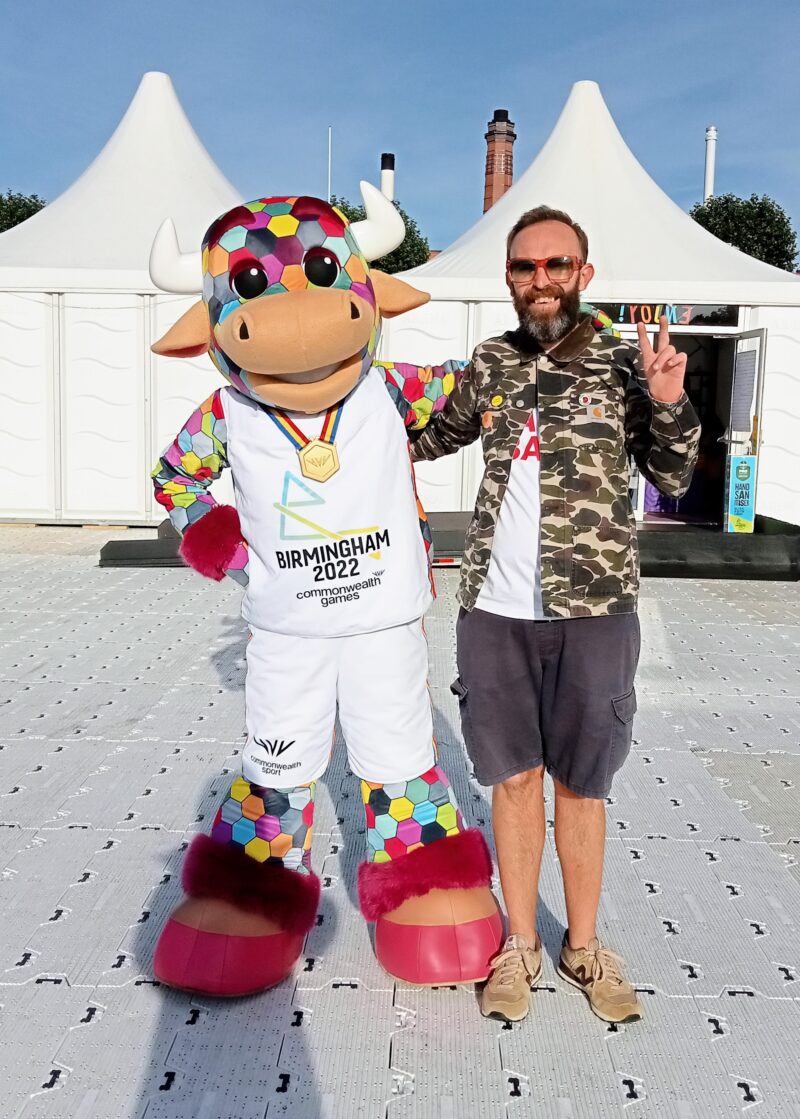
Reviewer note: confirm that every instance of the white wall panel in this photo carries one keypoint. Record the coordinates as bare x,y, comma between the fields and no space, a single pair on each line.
492,319
428,336
27,427
103,413
778,485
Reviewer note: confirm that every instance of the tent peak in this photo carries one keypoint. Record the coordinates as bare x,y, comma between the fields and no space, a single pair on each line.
640,240
154,166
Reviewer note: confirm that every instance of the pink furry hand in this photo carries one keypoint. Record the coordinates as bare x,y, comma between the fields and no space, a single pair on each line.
210,544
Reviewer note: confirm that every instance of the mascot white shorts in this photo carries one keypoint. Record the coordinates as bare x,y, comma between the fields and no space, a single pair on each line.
379,681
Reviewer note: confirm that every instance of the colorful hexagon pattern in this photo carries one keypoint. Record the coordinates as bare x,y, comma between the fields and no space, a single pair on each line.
275,236
404,815
272,825
420,391
401,808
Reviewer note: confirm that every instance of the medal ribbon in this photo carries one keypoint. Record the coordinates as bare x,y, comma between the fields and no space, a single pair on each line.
296,437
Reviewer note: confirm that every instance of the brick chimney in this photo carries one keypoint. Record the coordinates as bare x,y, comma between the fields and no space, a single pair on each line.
499,157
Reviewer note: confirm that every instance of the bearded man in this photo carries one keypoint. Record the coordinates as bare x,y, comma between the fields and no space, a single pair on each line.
548,634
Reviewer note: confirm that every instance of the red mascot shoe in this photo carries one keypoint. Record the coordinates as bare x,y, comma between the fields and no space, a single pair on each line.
242,925
437,920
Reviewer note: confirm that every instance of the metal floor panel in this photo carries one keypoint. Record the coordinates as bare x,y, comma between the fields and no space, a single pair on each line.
675,799
333,1063
670,1068
34,1020
128,685
740,723
225,1058
758,1053
767,788
33,886
544,1076
435,1072
339,950
707,918
629,924
721,674
53,709
721,637
113,1059
98,908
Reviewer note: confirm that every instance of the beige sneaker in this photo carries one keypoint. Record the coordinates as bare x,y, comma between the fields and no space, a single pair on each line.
515,969
597,971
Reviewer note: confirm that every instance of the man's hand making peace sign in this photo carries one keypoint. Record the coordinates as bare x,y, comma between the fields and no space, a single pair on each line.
664,367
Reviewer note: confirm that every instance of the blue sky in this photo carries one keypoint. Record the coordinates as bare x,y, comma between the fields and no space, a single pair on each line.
261,82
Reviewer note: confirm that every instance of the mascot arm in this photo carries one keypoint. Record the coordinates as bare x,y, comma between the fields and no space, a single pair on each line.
212,538
420,392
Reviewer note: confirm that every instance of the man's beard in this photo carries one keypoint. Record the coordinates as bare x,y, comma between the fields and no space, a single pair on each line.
547,326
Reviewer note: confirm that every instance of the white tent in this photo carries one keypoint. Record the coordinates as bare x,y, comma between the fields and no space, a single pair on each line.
645,250
87,408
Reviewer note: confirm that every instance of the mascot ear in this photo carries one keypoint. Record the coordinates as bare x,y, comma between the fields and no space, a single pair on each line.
394,296
189,337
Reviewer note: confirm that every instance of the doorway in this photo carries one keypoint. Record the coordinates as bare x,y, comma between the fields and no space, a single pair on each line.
709,386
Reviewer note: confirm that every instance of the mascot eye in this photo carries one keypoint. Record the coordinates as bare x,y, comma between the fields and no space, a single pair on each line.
250,281
321,268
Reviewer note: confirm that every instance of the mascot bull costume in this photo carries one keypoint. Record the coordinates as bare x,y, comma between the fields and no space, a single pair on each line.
332,547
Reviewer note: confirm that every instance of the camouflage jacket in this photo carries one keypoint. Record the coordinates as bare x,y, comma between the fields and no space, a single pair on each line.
595,413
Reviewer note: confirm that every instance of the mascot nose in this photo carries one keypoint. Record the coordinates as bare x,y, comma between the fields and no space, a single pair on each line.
242,328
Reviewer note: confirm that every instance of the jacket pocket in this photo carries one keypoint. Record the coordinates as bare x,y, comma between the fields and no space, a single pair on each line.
596,419
601,561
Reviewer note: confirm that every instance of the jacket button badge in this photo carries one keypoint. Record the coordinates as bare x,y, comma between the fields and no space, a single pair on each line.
497,400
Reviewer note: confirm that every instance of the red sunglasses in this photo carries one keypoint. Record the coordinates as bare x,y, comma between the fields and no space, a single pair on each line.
521,270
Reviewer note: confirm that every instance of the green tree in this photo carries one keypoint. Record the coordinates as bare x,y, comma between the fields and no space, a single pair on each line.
758,226
414,249
15,208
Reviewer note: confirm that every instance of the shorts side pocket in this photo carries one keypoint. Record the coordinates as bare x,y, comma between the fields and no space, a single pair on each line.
624,708
461,691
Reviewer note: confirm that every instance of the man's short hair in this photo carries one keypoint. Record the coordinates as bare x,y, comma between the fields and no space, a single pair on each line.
546,213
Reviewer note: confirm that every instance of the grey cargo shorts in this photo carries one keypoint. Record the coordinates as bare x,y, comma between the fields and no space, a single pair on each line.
557,693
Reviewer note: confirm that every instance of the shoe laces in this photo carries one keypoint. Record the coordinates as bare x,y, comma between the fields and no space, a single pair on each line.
506,966
607,965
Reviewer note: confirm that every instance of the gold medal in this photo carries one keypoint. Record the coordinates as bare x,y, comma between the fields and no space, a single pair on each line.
319,460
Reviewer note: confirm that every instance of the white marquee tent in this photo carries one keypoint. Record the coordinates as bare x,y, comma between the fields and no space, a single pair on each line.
645,250
86,407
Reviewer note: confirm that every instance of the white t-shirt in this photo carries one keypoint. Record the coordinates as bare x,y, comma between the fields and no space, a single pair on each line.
329,558
513,585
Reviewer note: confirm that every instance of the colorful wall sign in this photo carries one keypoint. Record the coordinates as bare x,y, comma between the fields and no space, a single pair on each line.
741,503
678,314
